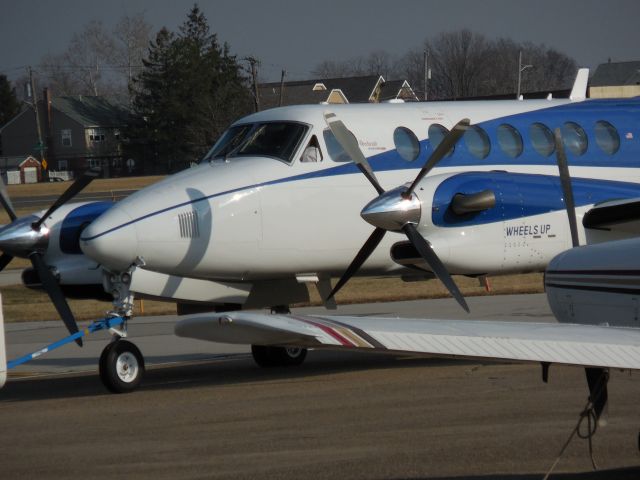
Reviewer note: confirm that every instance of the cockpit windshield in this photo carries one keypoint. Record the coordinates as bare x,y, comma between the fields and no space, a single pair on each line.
270,139
229,141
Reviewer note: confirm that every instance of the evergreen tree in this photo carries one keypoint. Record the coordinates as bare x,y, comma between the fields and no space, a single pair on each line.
9,104
188,93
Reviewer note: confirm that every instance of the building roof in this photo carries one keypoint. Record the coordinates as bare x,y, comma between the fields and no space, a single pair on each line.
14,162
354,89
616,74
91,111
294,93
397,89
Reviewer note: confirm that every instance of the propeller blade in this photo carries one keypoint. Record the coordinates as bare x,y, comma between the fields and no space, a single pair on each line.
364,253
85,179
447,143
434,262
4,260
567,191
350,145
51,286
6,201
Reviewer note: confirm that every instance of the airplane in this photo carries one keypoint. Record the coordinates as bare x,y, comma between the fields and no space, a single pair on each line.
253,223
592,291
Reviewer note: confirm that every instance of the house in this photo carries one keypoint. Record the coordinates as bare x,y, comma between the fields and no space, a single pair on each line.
20,170
364,89
78,133
615,80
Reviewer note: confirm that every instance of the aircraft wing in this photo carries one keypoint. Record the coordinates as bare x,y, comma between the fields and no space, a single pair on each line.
616,215
571,344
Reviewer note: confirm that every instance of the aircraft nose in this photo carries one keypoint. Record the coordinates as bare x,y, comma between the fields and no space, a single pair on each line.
111,240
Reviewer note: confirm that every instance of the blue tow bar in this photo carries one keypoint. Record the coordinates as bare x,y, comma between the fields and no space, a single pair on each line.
103,324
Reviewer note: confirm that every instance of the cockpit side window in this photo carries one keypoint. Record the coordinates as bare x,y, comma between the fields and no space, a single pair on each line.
275,139
312,152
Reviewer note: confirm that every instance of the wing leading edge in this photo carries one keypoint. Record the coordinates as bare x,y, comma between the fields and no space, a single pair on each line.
570,344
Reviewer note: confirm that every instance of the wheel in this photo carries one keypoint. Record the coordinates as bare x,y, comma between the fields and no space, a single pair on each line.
121,366
278,356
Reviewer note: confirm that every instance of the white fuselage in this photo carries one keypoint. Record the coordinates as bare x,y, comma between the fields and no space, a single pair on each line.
247,218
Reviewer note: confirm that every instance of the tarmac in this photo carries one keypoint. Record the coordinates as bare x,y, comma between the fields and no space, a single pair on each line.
206,411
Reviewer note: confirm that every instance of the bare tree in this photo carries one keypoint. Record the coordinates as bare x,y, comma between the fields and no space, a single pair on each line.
459,63
377,62
89,49
58,76
97,61
132,35
502,68
464,64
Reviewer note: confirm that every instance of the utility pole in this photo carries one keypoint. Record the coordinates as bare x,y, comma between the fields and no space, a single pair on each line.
521,68
284,72
254,75
34,99
427,74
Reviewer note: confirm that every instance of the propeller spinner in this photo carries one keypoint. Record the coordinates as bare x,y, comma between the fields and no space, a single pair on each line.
396,210
28,237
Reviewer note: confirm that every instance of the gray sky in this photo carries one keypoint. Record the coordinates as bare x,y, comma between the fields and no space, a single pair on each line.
296,35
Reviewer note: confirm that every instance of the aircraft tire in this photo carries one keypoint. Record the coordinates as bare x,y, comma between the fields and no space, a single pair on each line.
278,356
121,367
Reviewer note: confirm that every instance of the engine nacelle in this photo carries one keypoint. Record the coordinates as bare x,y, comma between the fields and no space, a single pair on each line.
498,222
596,284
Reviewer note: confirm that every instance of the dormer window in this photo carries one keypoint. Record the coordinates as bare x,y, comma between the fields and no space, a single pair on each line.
319,87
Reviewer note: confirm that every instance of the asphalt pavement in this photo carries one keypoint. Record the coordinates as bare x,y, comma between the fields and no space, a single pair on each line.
206,411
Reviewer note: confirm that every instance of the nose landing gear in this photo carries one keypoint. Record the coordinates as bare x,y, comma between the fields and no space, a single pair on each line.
121,366
121,363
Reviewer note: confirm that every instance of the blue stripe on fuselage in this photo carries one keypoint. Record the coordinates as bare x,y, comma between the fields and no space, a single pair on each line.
520,195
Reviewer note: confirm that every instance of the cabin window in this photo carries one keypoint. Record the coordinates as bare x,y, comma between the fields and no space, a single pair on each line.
607,137
542,139
477,142
574,138
335,150
406,143
510,140
436,133
66,137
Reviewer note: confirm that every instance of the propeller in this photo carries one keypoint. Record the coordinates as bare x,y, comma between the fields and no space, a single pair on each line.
567,190
350,145
597,378
26,237
396,210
